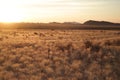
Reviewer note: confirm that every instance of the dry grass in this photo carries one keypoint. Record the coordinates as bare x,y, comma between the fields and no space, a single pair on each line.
59,55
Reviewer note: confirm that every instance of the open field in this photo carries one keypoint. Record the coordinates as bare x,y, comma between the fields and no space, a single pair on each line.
59,54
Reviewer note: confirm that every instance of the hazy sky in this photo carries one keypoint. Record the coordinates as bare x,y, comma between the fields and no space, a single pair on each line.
59,10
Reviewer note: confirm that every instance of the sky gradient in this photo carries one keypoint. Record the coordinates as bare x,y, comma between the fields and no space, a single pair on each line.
59,10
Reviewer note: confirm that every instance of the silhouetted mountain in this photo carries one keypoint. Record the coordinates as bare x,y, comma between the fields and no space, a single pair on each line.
92,22
71,23
88,25
54,23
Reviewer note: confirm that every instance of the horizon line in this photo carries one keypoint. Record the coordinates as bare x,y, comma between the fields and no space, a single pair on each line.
60,21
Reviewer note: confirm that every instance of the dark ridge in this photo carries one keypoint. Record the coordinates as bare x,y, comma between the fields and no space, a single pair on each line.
92,22
88,25
54,23
72,23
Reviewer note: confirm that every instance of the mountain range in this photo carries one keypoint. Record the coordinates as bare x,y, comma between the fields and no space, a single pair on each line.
89,22
93,22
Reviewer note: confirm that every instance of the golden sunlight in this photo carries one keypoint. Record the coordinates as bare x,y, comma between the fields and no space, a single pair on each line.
9,12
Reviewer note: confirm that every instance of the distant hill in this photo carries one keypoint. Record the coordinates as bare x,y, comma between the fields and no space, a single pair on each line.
88,25
72,23
92,22
68,23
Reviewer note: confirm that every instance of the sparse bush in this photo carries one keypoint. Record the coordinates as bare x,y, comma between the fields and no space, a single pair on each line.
35,33
1,38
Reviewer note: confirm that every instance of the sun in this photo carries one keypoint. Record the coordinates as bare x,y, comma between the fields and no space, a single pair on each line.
10,15
9,12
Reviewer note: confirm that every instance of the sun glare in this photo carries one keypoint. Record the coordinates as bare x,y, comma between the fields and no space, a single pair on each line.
9,12
10,15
